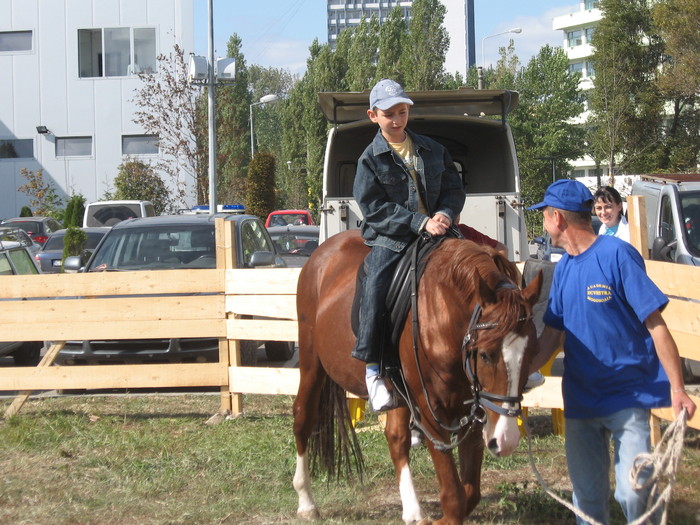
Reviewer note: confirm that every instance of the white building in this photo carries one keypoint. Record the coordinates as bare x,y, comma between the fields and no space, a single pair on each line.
68,77
344,13
578,29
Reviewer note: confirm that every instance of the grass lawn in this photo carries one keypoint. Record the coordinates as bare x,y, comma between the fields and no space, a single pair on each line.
150,459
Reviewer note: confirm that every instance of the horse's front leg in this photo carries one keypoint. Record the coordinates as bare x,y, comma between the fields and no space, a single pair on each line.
452,496
471,455
398,437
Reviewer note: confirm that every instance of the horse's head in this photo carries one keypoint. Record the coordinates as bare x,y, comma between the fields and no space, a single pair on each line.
499,345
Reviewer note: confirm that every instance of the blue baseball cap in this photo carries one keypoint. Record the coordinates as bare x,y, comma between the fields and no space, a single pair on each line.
566,194
386,94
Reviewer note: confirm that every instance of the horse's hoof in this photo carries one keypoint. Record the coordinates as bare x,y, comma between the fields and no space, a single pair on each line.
308,514
425,521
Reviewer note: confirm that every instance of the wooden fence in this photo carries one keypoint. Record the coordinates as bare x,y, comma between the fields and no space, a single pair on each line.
211,303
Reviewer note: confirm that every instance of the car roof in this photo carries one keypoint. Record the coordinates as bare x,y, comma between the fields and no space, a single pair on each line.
185,219
344,107
89,229
309,229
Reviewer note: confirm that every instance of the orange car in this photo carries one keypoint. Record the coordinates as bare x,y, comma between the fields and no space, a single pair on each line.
285,217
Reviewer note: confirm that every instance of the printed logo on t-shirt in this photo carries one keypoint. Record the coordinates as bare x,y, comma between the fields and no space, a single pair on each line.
598,293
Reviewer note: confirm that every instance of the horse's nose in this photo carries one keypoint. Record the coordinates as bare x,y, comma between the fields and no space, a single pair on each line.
494,448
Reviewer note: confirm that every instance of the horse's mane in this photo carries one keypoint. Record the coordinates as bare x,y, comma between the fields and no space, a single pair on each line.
478,271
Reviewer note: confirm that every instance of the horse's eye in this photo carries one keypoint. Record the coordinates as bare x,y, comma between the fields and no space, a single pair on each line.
485,357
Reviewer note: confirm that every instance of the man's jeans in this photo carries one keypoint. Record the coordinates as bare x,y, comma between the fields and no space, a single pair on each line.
379,269
588,458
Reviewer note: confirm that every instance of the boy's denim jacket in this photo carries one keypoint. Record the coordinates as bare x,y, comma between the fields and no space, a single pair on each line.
387,196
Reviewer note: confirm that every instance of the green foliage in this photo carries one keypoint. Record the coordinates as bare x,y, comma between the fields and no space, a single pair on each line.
424,52
26,211
74,242
137,181
261,185
393,35
43,196
75,210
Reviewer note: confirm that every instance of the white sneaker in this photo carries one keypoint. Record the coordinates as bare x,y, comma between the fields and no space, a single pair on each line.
533,381
416,438
379,396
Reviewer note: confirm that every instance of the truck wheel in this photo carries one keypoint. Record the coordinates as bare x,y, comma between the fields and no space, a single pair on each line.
279,350
249,353
29,354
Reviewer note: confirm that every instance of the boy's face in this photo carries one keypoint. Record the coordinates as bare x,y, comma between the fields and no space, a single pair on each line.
391,121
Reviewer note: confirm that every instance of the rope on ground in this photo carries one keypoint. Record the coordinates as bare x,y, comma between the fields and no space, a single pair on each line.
663,462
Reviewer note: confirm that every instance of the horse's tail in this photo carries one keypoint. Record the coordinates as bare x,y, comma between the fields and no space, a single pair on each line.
333,445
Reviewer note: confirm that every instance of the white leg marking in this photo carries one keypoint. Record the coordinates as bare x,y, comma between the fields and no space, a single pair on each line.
506,432
302,484
412,513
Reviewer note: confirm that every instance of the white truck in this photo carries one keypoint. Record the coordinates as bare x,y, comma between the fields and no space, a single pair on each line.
672,204
109,213
470,123
673,216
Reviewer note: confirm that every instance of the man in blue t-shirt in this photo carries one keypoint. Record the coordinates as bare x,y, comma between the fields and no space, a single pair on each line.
619,355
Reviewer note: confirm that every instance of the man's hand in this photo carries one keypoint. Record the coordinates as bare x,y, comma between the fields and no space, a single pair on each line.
435,227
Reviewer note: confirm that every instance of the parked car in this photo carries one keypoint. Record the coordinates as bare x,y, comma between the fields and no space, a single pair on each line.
284,217
168,243
295,243
547,252
109,213
12,233
16,259
50,257
38,228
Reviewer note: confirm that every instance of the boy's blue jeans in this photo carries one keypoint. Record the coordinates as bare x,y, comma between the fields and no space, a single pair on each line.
379,269
588,458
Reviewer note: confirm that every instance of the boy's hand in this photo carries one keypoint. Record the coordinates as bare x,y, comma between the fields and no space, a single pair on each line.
442,219
435,227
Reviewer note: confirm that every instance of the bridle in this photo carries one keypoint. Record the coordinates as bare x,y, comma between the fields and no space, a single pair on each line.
480,398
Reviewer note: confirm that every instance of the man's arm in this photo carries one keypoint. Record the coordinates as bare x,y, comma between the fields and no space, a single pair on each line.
549,341
667,351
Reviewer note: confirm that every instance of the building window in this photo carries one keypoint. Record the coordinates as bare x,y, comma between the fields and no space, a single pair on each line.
589,34
590,69
116,51
73,146
577,174
590,4
12,41
576,67
139,145
17,149
574,38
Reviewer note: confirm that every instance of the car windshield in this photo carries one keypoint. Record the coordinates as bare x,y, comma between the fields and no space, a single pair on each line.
690,204
283,219
295,243
55,242
164,247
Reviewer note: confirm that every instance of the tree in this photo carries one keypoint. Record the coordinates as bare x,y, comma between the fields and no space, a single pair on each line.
166,105
74,243
137,181
626,103
393,34
362,55
425,48
25,211
75,210
43,196
260,199
542,124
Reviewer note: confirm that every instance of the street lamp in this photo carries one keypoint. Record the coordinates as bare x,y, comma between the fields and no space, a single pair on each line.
267,99
514,30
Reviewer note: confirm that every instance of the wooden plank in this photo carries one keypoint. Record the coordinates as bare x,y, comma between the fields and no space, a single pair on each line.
279,306
114,376
47,360
272,381
637,218
680,280
114,310
688,344
546,396
262,329
78,330
667,414
262,281
112,283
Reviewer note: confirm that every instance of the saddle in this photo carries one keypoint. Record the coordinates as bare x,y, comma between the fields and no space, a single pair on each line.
402,294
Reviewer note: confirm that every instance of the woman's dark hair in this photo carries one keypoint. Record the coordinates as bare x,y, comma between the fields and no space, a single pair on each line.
608,194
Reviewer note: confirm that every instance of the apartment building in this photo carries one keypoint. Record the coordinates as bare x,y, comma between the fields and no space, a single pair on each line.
69,71
578,29
343,14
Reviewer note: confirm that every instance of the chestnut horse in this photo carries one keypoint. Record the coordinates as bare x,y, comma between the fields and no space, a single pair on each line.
464,371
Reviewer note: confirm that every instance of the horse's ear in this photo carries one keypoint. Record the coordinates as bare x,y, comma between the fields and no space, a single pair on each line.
485,294
505,266
532,291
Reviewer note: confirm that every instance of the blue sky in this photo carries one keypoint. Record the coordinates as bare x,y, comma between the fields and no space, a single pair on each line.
280,35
